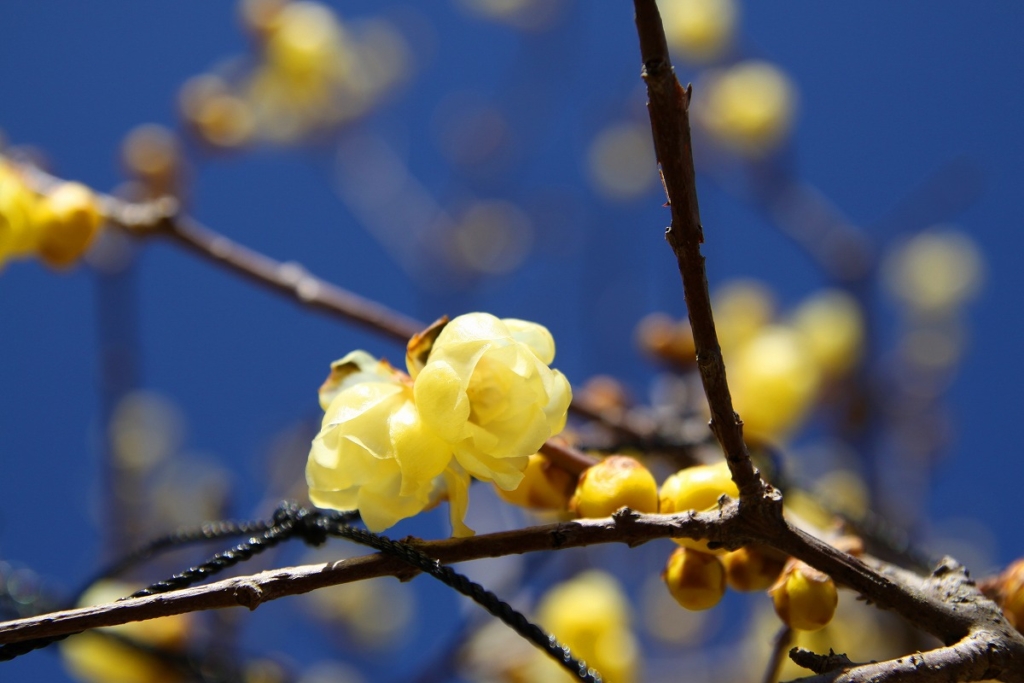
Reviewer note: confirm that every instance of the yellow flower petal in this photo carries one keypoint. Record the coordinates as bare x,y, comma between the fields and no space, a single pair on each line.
535,336
457,483
506,473
442,401
420,453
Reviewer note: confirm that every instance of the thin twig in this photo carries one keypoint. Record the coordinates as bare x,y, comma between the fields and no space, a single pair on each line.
780,648
668,107
290,279
164,217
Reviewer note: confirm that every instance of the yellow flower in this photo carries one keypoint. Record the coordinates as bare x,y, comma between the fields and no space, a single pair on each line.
480,401
486,389
373,452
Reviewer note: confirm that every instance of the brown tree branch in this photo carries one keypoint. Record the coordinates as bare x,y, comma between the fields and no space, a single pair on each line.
164,217
945,603
950,607
668,107
982,656
251,591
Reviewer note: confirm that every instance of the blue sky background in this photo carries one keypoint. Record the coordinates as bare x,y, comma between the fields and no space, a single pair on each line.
890,93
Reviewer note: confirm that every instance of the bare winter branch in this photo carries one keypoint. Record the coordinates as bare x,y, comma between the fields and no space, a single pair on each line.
668,107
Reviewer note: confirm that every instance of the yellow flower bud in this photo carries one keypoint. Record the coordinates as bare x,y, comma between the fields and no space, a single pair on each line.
749,569
486,389
1012,591
615,482
697,488
67,219
804,598
373,452
544,486
661,336
694,578
94,658
17,203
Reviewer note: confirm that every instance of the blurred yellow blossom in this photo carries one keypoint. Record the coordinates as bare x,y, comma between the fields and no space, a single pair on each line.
748,108
1011,588
833,327
66,220
742,308
700,30
621,162
92,657
58,226
774,380
935,271
590,614
312,71
16,207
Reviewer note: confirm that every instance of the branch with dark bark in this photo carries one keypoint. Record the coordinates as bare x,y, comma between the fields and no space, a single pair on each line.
668,106
949,606
945,604
982,656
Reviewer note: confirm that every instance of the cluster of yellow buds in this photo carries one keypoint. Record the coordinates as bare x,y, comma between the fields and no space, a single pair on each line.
58,226
697,575
479,398
312,72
